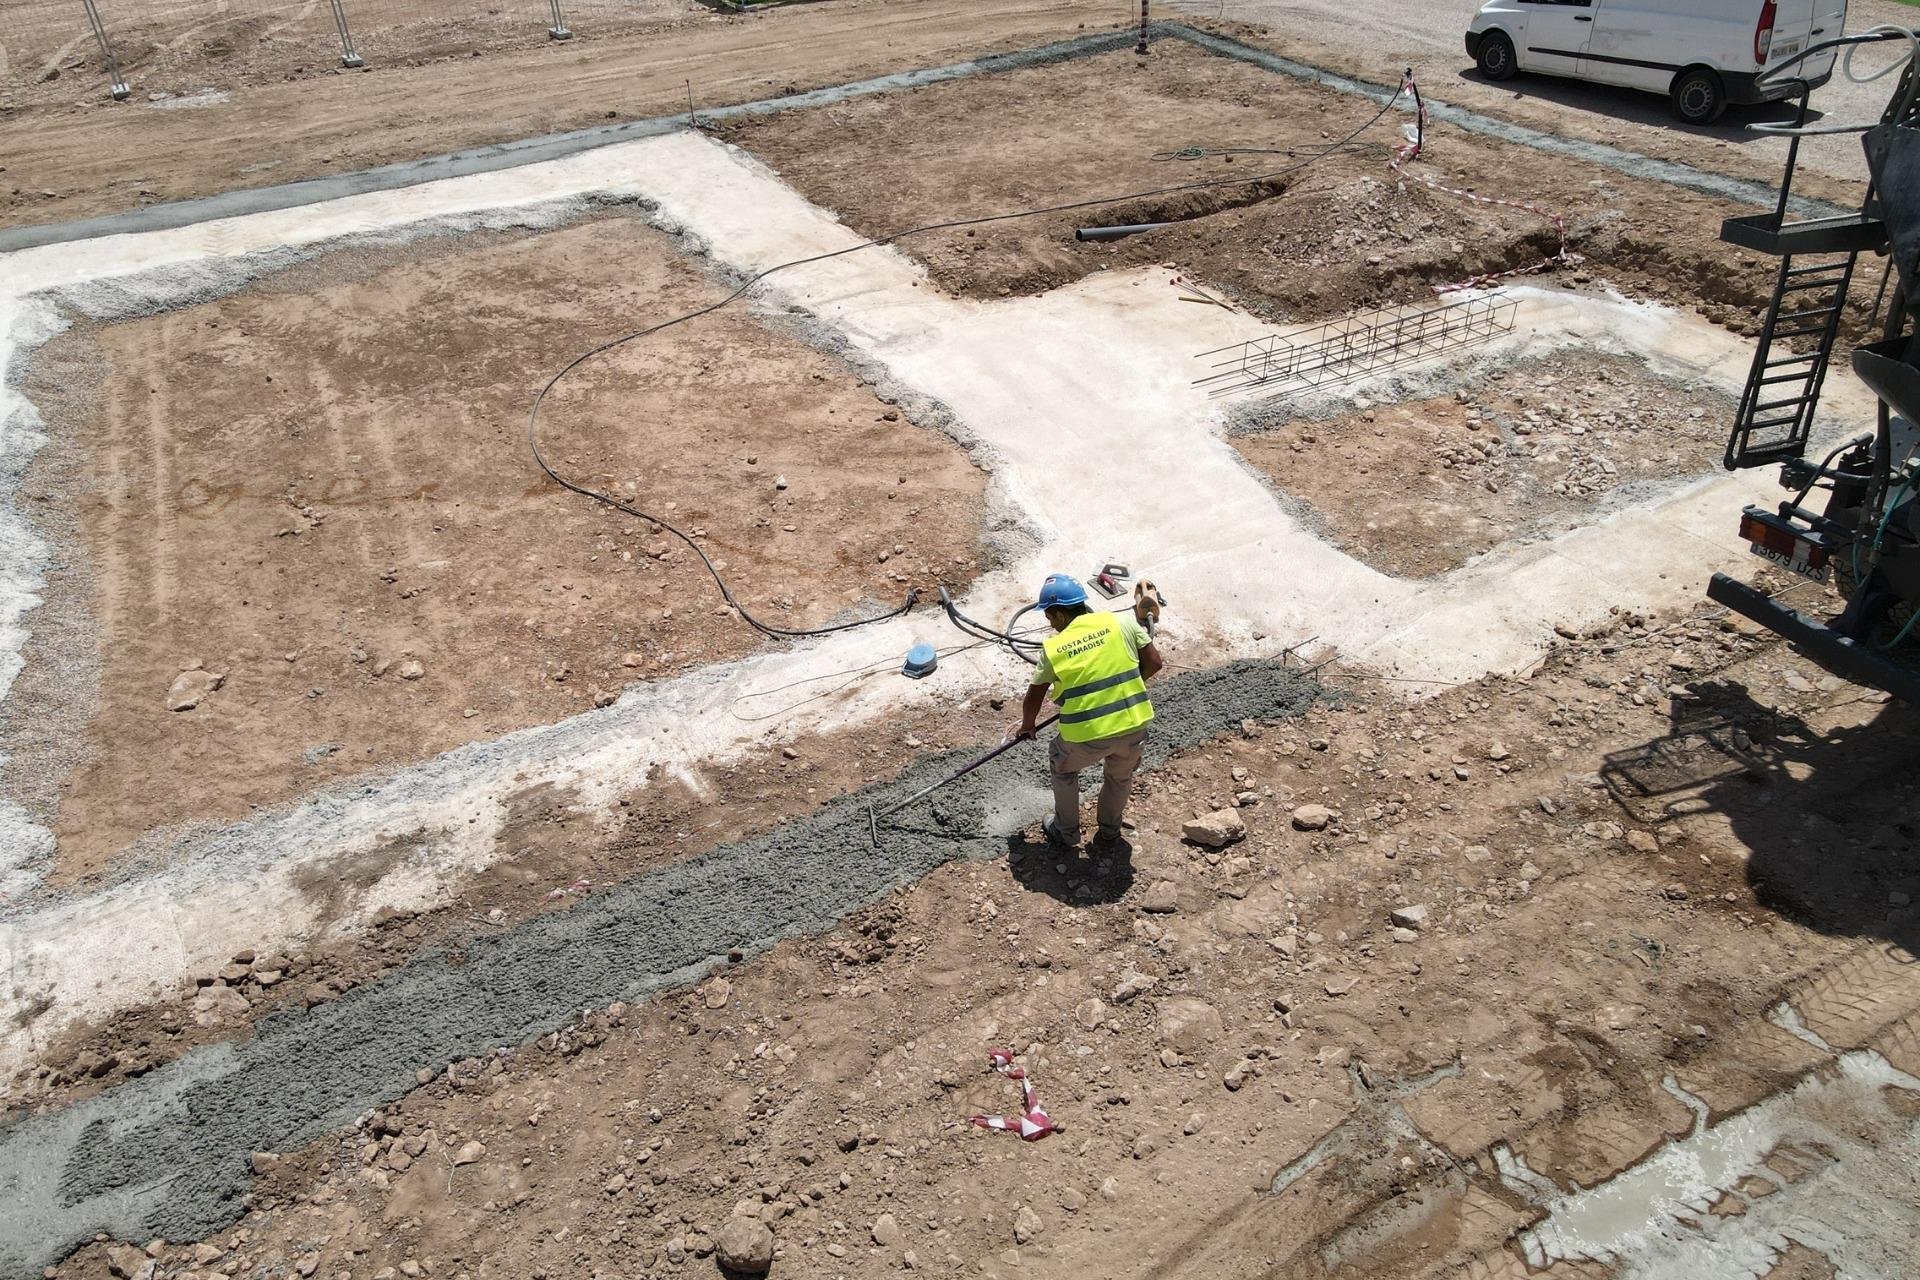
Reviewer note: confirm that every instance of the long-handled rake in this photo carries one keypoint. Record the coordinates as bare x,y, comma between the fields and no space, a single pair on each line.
873,818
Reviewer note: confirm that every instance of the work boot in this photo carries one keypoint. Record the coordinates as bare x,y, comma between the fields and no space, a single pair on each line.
1051,829
1105,841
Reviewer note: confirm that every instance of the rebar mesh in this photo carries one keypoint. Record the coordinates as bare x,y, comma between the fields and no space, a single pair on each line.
1340,350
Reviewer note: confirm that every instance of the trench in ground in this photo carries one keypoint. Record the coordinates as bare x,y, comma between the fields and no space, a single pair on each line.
1346,233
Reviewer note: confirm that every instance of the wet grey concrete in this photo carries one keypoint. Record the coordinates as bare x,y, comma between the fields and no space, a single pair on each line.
165,1155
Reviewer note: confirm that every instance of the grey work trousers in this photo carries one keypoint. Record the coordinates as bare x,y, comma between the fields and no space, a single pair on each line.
1120,760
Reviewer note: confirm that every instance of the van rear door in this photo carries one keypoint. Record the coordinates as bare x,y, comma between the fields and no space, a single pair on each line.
1798,24
1829,23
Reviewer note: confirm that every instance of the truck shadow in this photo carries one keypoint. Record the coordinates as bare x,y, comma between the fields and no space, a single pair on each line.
1830,819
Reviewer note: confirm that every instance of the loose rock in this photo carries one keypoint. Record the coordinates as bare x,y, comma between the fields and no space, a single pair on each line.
1162,898
744,1245
1216,830
1312,817
1189,1025
190,688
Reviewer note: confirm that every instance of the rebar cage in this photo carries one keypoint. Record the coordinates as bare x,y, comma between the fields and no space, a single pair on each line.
1335,351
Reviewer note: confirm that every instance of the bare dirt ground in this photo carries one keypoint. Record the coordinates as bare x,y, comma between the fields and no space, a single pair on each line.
318,492
170,48
1328,239
1419,488
167,49
89,155
1499,918
82,155
1614,866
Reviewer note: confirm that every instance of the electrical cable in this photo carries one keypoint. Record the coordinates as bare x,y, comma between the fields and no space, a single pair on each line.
1891,32
1206,153
726,592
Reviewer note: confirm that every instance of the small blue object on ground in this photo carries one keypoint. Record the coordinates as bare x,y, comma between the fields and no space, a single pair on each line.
921,661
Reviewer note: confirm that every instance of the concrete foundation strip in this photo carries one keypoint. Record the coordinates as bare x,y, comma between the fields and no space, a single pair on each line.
457,164
166,1154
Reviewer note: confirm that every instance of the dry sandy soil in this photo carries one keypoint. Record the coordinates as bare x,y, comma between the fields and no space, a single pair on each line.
1421,487
1614,864
87,155
169,48
82,155
1340,235
308,486
1624,858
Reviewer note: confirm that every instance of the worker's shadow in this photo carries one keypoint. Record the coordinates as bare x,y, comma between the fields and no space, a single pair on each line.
1080,877
1825,816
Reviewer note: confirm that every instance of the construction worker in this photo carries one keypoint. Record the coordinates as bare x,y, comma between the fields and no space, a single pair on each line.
1095,666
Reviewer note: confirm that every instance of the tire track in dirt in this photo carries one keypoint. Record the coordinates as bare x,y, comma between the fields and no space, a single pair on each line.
324,395
158,582
1851,1002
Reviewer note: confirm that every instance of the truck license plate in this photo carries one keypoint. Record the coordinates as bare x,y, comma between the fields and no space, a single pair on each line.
1818,573
1773,539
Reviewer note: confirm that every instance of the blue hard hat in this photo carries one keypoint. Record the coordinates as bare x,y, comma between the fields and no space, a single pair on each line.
1062,589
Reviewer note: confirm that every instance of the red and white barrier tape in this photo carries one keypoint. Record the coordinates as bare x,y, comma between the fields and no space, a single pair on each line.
1409,151
1033,1123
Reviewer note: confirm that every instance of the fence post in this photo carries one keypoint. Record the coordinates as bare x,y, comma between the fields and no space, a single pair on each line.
120,89
349,56
558,31
1142,49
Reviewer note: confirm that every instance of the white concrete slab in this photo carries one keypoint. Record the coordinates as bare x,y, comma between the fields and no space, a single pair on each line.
1100,446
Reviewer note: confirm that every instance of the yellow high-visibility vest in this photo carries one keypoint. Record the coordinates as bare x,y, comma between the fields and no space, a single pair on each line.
1098,684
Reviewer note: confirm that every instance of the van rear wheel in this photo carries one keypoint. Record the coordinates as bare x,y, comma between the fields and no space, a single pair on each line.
1698,96
1496,57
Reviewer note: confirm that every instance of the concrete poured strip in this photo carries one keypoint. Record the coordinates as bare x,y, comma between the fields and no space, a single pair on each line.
1085,396
165,1155
1100,446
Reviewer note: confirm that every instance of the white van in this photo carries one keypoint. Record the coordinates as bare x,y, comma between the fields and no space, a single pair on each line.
1703,54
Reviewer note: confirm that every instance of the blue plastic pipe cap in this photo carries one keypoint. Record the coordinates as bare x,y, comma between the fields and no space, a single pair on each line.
921,661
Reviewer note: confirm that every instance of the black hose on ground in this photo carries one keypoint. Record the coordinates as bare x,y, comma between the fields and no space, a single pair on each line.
1014,643
726,593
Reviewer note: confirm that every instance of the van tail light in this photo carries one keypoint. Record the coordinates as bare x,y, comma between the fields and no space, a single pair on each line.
1763,34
